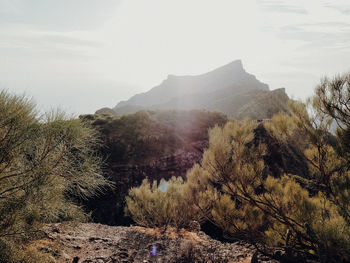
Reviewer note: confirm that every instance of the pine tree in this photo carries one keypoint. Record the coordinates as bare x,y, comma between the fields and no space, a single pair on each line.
45,163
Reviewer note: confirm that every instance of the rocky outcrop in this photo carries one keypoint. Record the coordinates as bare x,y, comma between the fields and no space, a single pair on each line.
228,89
106,110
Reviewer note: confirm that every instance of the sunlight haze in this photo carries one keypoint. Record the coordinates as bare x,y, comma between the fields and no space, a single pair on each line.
82,55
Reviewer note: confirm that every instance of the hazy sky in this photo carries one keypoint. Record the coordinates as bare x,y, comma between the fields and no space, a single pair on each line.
81,55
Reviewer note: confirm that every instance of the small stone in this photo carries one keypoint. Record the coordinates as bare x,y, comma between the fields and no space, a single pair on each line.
92,239
123,255
65,255
55,230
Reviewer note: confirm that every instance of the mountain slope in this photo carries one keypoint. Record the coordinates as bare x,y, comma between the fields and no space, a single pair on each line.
255,103
226,89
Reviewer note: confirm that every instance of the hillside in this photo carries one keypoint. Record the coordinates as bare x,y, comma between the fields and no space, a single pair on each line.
228,89
153,144
161,144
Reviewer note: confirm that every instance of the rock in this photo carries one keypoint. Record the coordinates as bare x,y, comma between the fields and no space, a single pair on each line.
255,258
66,256
93,239
123,255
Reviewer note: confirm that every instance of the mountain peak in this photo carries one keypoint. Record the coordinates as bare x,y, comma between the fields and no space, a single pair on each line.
171,76
230,79
234,64
234,67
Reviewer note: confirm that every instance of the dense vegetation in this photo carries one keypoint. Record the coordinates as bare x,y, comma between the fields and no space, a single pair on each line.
162,144
46,164
173,203
306,217
147,135
153,144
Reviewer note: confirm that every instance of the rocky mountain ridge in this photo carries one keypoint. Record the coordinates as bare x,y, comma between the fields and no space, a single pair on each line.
228,89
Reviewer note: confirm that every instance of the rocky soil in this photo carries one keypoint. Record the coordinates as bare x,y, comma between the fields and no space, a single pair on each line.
96,243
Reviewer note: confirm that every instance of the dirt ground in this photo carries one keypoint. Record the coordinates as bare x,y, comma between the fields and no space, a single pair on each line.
90,243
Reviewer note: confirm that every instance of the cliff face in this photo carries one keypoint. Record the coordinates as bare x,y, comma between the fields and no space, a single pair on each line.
228,89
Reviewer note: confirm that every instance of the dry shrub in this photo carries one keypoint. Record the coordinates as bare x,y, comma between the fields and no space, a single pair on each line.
151,206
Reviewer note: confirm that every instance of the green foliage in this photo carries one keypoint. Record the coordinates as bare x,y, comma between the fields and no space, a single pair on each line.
343,141
45,164
178,205
230,161
327,157
11,252
147,135
237,220
279,212
238,168
332,98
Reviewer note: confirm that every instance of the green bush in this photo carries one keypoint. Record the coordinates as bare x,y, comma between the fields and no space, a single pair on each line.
277,212
46,162
178,205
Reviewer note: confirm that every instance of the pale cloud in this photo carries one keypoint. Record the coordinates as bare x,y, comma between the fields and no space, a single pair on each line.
281,6
57,15
341,6
319,35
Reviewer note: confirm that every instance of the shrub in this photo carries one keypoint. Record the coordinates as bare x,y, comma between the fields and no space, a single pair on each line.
276,212
176,206
45,163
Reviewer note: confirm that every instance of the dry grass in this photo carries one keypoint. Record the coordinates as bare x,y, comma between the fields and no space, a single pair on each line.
49,249
172,233
247,260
